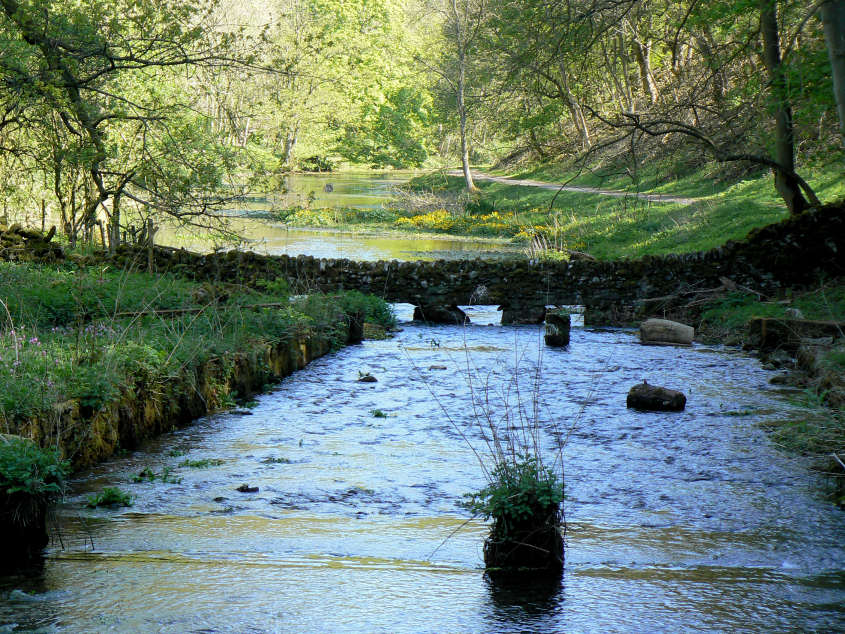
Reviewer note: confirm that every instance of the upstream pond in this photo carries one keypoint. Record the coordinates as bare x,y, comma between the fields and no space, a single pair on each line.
676,521
367,190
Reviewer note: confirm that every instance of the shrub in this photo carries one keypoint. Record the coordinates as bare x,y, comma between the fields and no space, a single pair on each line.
524,501
29,474
30,479
111,497
374,309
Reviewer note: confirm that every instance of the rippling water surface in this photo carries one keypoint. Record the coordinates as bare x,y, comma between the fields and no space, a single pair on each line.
689,521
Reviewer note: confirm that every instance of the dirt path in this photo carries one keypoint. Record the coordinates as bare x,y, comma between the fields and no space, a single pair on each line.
655,198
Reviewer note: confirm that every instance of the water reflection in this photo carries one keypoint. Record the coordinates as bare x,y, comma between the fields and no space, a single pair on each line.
273,238
524,603
342,190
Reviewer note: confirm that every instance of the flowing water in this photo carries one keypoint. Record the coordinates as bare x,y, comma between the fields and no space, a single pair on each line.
676,521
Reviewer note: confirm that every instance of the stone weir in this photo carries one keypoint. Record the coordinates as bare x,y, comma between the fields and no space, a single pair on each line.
791,253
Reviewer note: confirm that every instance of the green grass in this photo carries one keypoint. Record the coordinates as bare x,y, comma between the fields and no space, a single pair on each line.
111,497
732,313
202,464
608,227
62,337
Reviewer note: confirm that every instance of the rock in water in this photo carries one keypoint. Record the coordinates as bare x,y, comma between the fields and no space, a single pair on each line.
557,328
665,332
655,398
440,315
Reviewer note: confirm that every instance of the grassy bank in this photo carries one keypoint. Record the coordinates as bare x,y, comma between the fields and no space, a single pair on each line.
817,371
726,206
86,335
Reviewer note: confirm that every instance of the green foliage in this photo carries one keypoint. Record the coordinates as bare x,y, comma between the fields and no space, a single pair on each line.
316,164
148,475
391,134
43,363
520,492
30,471
374,309
274,460
480,205
377,413
205,463
278,288
733,311
111,497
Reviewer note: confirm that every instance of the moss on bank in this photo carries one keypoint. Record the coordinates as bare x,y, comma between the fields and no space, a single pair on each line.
93,359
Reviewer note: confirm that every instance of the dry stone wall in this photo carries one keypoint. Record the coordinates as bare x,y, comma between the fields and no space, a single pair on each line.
791,253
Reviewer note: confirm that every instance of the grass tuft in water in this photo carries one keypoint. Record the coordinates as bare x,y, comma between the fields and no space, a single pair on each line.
205,463
109,497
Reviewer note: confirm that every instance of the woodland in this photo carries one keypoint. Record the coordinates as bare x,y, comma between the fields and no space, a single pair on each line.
112,113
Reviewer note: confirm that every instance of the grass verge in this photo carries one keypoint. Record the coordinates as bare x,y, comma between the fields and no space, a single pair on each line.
77,337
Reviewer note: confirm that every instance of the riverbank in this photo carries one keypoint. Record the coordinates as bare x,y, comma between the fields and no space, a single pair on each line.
666,207
812,367
722,206
94,359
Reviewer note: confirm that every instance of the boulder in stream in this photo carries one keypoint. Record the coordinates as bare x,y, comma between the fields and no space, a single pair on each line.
558,324
514,315
655,398
663,332
440,315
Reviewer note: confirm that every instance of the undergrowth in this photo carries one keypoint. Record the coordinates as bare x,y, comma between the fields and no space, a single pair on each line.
30,478
86,334
111,497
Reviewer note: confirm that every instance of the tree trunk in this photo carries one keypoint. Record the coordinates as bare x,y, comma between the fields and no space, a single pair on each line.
290,142
616,86
114,225
623,57
462,112
833,17
642,51
574,108
785,183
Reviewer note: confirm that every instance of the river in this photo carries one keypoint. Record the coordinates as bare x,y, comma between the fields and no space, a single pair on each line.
366,190
688,521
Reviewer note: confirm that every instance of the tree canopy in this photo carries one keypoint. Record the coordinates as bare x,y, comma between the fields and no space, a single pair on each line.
171,107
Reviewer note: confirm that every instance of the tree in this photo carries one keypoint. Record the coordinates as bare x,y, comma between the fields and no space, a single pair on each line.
461,23
833,17
705,87
96,84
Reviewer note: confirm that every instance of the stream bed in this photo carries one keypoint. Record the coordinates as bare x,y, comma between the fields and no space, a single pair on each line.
676,521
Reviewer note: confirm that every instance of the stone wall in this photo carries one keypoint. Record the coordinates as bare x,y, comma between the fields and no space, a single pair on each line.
791,253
